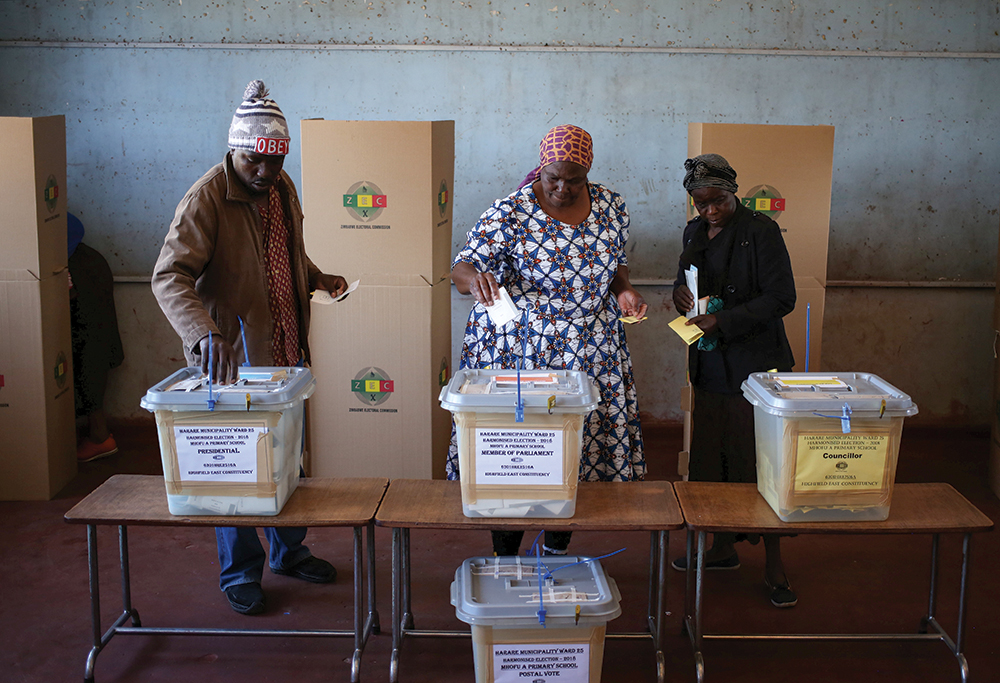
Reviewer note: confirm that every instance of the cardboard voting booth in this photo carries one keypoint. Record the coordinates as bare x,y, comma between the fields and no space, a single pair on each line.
37,414
33,199
377,196
380,357
378,209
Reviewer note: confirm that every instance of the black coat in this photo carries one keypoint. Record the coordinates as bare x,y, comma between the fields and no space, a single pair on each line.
759,291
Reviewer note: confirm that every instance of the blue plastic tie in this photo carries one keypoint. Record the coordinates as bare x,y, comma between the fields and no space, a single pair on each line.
541,599
537,548
211,397
246,351
844,417
808,313
534,544
550,572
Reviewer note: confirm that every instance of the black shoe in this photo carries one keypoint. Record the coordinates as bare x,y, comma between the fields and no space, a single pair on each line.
731,562
246,598
311,569
506,543
783,595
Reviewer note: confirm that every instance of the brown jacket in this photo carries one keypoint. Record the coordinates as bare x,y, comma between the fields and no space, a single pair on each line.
211,267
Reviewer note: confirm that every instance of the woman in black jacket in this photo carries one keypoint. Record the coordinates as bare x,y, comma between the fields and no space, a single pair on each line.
744,271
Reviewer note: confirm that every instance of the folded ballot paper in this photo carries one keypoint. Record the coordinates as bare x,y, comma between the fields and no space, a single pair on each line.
689,333
503,309
321,296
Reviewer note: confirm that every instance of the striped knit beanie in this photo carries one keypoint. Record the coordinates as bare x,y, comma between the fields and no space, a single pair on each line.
258,125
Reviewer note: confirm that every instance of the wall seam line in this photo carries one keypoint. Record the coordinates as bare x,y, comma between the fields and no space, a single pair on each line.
325,47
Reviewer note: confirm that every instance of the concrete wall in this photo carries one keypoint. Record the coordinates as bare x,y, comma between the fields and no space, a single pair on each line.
148,90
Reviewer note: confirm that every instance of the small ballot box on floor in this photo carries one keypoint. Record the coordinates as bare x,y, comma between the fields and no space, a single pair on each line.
234,449
527,468
827,443
536,621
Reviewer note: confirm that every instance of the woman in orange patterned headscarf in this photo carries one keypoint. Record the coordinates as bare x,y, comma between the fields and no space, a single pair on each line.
557,244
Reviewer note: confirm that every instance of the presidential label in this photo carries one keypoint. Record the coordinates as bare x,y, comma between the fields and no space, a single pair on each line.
217,454
519,456
841,462
542,663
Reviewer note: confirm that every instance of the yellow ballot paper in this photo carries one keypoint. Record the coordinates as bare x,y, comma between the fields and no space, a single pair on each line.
631,319
689,333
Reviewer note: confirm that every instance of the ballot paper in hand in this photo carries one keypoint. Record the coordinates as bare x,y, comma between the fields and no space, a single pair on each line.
691,280
503,309
350,288
321,296
689,333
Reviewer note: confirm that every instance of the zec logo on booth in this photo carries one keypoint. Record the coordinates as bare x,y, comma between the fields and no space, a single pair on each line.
51,193
60,371
372,386
365,201
764,199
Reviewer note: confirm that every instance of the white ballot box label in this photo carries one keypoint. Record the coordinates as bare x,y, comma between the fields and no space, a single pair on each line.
565,663
519,456
220,454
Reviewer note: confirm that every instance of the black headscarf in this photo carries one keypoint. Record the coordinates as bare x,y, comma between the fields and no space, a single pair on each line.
709,170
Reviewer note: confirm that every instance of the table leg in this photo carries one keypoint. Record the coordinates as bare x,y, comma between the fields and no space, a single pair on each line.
651,604
932,594
372,602
95,604
688,584
407,605
126,576
661,571
99,639
931,620
397,624
359,630
694,624
963,596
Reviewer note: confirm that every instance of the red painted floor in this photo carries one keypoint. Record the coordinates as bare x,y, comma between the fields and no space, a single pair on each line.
844,584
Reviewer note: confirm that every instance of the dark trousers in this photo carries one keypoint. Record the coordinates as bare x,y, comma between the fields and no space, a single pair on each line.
722,439
509,542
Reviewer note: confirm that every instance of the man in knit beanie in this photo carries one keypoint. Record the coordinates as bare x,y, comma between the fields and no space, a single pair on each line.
234,251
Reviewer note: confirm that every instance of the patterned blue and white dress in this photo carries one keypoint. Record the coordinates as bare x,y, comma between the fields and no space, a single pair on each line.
562,274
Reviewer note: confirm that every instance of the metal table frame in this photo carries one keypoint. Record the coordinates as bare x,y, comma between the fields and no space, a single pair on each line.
150,490
916,508
444,516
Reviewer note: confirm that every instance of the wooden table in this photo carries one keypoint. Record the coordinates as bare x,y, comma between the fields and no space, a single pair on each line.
915,509
128,499
600,506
